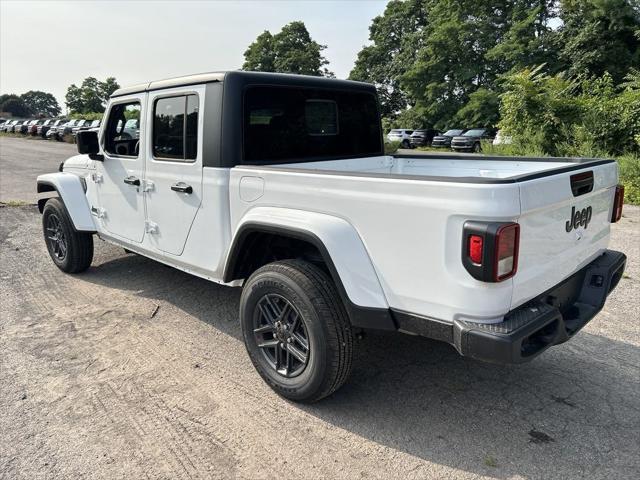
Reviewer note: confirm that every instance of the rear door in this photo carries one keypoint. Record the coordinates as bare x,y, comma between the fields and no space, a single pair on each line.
564,225
174,167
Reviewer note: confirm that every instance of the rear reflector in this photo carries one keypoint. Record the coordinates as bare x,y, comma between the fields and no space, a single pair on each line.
475,249
618,201
506,251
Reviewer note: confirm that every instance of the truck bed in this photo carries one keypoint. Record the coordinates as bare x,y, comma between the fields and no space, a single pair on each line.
457,167
410,210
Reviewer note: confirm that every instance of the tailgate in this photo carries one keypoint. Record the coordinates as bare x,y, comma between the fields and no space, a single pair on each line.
562,228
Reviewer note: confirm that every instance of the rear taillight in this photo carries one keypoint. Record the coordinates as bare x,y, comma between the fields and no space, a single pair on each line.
506,251
618,201
475,249
490,250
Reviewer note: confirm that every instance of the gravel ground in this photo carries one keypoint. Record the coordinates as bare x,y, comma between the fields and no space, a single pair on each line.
135,370
23,159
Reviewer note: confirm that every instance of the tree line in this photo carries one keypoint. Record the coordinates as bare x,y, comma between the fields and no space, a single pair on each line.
442,62
90,98
560,77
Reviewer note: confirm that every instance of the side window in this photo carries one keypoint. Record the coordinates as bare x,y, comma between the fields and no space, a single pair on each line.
122,135
175,128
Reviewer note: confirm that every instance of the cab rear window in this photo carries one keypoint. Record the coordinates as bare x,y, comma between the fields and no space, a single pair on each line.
289,124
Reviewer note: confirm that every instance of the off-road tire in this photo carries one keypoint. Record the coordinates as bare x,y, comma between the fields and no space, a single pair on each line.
315,297
79,245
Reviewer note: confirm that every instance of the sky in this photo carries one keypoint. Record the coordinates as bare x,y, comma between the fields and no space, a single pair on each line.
48,45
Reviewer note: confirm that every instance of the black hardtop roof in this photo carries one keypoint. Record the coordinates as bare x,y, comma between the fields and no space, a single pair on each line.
246,78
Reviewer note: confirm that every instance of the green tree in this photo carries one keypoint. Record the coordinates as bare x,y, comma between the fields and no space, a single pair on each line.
433,55
91,96
260,56
395,37
289,51
41,103
107,87
14,105
599,36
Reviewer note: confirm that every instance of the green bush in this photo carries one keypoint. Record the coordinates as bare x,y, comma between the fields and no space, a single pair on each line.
630,177
562,117
391,147
87,116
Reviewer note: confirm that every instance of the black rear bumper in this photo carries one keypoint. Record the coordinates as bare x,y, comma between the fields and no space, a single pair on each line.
552,318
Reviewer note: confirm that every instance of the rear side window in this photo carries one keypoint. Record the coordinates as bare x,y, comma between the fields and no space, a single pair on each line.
175,128
288,124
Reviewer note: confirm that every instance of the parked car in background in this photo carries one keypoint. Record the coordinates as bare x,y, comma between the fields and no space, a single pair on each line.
502,139
400,135
423,137
444,140
24,127
68,129
7,127
44,127
64,129
88,125
470,141
33,126
15,128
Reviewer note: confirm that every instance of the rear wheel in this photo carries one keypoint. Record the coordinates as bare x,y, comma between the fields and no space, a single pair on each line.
70,250
296,330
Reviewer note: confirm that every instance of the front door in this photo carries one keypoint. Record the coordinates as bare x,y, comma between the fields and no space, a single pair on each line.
119,177
174,167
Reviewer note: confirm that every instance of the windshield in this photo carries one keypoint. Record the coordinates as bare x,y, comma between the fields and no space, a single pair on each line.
395,132
476,132
452,133
419,133
95,123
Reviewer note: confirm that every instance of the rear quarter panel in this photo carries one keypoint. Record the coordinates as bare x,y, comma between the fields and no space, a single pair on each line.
411,229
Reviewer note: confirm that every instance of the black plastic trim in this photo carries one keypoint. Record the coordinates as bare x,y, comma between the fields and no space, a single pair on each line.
362,317
429,178
486,271
550,319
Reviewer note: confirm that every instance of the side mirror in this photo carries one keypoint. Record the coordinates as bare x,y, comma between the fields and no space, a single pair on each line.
87,142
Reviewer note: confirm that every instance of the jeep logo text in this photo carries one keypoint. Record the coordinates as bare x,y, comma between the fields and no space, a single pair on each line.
581,217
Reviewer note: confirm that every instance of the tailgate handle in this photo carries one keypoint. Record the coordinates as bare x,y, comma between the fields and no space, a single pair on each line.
582,183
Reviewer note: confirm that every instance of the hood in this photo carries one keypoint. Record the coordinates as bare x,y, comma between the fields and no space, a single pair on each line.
462,138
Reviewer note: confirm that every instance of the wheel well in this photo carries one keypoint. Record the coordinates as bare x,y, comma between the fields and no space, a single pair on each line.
256,245
257,248
43,188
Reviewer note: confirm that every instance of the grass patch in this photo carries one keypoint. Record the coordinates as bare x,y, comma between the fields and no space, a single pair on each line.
14,203
391,147
490,461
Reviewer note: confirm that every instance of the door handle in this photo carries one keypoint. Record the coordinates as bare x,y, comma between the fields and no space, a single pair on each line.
132,181
182,188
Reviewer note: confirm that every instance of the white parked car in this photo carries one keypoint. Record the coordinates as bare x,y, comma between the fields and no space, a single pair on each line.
501,139
400,135
254,180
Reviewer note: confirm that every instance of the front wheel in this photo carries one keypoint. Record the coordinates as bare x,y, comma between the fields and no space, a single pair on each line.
476,148
70,250
296,330
406,144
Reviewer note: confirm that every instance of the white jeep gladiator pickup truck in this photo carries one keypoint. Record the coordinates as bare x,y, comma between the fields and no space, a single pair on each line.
279,184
